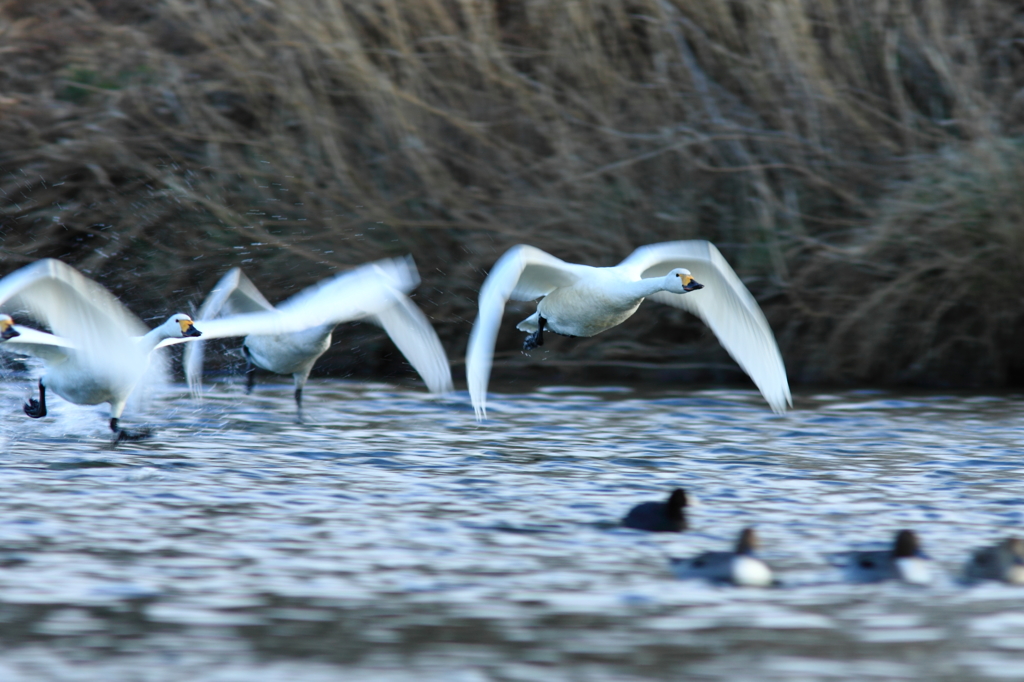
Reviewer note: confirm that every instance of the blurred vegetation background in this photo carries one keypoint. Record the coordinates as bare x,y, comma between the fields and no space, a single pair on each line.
860,163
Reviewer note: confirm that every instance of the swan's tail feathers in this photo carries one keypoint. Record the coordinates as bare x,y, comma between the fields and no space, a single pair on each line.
530,324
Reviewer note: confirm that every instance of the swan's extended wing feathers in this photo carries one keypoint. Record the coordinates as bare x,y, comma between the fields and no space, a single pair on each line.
523,273
726,306
79,310
67,301
412,332
398,273
38,344
351,295
233,294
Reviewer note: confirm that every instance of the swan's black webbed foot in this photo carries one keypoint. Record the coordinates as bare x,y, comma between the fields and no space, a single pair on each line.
123,435
535,339
250,371
37,408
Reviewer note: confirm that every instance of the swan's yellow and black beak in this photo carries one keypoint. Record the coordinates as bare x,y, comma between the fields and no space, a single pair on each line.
189,329
689,283
7,330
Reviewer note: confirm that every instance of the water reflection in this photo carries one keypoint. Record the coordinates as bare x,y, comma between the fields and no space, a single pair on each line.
392,536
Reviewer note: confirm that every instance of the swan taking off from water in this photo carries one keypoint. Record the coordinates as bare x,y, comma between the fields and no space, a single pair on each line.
580,300
99,350
295,353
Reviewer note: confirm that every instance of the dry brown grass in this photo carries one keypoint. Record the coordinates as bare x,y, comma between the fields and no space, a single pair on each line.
855,162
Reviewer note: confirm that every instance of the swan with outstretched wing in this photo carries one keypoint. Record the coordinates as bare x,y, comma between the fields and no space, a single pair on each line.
296,352
580,300
99,350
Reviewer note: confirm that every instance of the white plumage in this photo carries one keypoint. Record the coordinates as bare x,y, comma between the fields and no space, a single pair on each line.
295,353
580,300
99,350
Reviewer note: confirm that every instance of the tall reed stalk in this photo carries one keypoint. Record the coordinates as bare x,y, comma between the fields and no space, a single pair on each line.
857,162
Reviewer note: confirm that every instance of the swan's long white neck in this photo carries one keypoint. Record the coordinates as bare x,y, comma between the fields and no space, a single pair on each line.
167,330
642,288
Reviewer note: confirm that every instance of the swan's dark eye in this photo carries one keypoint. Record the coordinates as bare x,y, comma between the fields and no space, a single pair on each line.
981,559
867,563
697,563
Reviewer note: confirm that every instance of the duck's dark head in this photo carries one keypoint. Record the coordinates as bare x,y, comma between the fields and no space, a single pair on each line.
675,507
747,542
906,544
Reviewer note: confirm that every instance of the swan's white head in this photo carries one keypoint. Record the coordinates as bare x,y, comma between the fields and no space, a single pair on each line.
7,330
180,325
680,281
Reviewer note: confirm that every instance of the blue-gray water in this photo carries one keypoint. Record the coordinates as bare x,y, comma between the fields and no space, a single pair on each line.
392,538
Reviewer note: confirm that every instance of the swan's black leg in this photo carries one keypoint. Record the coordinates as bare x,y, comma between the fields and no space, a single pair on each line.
298,401
537,338
123,435
37,408
250,371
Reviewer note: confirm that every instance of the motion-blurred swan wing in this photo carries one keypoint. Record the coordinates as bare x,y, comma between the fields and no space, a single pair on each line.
726,307
234,294
337,296
52,349
349,296
412,332
523,273
78,310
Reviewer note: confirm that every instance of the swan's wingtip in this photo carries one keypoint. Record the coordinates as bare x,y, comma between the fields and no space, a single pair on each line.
443,388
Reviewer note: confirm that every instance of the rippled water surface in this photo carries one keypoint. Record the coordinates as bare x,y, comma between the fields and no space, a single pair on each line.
392,538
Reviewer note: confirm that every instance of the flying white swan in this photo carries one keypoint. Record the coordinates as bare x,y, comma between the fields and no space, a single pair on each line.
295,353
99,350
580,300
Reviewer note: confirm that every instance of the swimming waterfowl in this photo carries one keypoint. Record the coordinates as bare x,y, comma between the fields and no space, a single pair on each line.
295,353
99,350
739,567
1003,561
580,300
659,517
905,561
